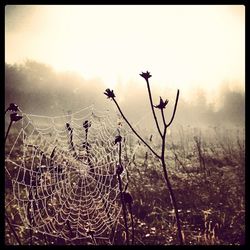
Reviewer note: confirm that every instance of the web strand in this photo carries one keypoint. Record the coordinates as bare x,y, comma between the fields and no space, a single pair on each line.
63,175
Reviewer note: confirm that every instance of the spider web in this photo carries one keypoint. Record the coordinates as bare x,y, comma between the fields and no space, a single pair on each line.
61,172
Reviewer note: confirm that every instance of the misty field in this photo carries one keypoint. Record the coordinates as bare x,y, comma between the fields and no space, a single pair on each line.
206,167
94,177
207,172
124,125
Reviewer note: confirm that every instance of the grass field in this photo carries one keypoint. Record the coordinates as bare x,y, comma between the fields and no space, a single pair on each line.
207,171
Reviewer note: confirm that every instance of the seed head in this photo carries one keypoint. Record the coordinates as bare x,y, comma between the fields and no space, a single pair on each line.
15,117
145,75
118,138
109,93
162,104
13,107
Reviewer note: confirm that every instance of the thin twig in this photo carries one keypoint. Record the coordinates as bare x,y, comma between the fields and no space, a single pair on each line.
175,106
12,230
122,199
152,107
146,144
163,118
8,130
168,183
174,203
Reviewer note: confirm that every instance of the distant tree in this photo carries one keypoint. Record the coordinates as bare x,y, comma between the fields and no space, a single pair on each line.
233,109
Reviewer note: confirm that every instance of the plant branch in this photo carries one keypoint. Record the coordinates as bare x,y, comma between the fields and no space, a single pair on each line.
168,183
122,199
164,121
175,106
134,130
8,130
174,203
152,107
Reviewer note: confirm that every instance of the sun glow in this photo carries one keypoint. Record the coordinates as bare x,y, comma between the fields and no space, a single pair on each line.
182,45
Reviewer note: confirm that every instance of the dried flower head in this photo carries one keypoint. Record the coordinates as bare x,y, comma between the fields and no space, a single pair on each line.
86,125
15,117
109,93
145,75
118,138
162,104
13,107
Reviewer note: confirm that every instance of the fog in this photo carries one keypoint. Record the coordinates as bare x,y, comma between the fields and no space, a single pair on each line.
181,45
38,89
197,49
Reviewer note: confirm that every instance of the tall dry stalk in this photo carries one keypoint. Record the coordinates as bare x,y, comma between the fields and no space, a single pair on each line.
14,117
161,106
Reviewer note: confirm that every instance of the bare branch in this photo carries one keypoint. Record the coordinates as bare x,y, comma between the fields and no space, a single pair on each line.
152,107
175,106
134,130
163,118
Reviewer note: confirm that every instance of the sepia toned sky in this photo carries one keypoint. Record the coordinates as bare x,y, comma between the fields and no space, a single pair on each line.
182,46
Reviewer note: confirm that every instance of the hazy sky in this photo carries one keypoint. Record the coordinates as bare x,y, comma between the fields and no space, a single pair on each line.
181,46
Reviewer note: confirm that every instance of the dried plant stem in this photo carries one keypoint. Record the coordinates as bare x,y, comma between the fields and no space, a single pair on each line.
200,153
8,130
6,217
162,156
168,183
146,144
12,229
164,122
174,203
175,106
152,107
122,199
